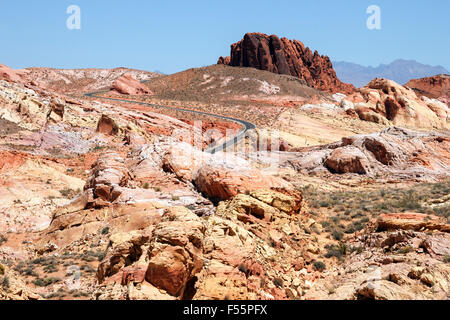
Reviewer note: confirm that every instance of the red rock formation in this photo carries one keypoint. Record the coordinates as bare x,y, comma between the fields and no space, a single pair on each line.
130,86
383,100
437,87
224,60
347,159
107,125
9,74
411,221
223,184
285,56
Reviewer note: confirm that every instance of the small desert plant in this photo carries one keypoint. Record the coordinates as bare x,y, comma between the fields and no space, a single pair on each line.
88,269
446,258
405,249
358,250
278,282
51,268
45,282
337,251
263,282
243,268
105,230
4,282
3,239
68,193
337,235
319,266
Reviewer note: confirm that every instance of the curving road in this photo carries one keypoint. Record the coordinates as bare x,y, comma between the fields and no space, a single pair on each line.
247,125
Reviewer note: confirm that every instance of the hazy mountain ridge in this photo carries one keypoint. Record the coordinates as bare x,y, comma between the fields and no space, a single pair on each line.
400,71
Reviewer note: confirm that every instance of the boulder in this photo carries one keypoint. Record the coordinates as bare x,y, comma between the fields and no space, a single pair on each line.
347,160
411,221
127,85
107,125
175,251
223,183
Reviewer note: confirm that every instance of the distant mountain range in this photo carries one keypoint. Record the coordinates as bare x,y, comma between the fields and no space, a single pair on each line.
401,71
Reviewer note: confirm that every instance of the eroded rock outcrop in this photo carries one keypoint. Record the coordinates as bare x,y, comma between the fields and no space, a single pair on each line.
224,183
437,87
402,258
229,255
395,152
411,221
13,288
126,84
384,101
283,56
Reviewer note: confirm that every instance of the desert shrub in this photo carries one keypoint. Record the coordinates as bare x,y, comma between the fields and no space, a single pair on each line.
39,282
146,186
337,235
51,268
68,193
446,258
98,148
335,219
319,265
79,293
45,261
67,255
88,269
409,201
105,230
263,282
338,251
325,204
355,226
2,269
90,256
243,268
4,282
358,250
443,211
325,224
25,269
405,250
3,239
278,282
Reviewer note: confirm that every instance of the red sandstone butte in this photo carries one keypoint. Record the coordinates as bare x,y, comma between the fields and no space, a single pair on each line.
284,56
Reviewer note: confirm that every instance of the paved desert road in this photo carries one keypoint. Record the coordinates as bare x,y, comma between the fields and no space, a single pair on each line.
247,125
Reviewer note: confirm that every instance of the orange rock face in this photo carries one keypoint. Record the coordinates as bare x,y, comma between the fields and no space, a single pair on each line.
383,100
9,75
10,160
411,221
347,159
285,56
130,86
223,184
437,87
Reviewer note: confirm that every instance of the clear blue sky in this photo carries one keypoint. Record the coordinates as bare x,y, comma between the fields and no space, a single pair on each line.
172,36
